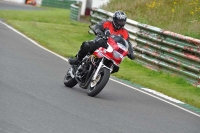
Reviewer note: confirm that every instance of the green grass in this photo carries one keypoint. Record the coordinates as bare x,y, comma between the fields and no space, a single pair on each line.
53,29
162,82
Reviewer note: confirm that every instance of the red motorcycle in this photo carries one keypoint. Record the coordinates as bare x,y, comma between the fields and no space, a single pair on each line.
94,71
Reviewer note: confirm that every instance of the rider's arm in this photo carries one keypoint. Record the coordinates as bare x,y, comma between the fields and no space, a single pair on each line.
103,28
98,28
130,50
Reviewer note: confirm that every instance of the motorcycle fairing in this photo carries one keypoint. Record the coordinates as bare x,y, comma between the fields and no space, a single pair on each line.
114,51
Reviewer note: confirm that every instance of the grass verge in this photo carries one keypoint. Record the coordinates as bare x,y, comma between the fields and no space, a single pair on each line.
53,29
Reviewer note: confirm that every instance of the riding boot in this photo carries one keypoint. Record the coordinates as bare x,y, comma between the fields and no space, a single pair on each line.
86,47
80,55
75,61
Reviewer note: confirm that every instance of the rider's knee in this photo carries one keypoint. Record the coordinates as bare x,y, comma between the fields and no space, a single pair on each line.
101,42
85,46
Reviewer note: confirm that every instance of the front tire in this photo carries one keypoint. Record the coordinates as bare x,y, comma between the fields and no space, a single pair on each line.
68,80
103,76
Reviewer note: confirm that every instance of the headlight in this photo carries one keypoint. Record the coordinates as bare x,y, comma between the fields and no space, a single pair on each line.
117,54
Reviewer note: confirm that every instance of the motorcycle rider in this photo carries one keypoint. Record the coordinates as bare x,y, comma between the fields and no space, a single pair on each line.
115,27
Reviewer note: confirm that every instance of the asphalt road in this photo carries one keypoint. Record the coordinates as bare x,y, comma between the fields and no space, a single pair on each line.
33,98
6,5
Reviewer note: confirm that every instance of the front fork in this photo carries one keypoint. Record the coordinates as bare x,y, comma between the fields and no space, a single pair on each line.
101,65
71,72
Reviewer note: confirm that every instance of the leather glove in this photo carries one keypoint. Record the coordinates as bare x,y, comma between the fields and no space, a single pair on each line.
131,56
102,42
130,49
107,32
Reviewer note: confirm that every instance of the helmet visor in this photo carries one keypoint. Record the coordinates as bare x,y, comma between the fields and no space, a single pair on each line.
121,22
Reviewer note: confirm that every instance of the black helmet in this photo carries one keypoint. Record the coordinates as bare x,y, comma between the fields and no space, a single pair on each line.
119,19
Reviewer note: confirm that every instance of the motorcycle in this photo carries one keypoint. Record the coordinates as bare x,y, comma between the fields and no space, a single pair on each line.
95,69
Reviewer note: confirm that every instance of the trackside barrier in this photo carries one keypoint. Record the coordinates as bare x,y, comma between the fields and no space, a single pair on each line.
157,49
58,3
75,12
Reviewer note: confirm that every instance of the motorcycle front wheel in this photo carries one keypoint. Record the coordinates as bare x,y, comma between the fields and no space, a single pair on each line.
99,83
68,80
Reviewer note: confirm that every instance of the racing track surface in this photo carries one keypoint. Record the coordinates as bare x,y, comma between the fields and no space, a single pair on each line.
33,98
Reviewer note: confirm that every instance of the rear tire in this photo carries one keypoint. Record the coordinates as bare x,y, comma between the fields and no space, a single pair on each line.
68,80
104,77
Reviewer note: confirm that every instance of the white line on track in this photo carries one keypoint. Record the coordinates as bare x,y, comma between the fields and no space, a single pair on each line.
143,90
140,90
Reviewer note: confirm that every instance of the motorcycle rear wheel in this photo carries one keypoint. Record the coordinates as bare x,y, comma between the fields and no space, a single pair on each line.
103,76
68,80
